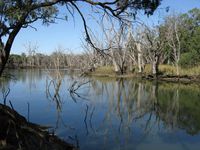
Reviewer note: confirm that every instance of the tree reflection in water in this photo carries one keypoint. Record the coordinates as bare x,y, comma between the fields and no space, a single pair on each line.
54,80
120,112
152,105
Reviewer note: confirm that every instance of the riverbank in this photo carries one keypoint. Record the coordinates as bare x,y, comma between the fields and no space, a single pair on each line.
167,74
17,133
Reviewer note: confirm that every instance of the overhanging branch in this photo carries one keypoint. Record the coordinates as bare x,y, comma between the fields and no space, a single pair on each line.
88,39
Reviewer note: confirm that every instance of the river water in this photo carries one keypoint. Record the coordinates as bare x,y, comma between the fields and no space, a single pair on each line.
107,113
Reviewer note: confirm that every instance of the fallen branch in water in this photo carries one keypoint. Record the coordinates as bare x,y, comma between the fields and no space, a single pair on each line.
75,86
73,90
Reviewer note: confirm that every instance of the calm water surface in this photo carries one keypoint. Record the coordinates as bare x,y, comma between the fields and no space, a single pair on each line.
106,113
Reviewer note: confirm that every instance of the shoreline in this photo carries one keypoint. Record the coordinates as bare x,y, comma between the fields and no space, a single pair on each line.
185,79
17,133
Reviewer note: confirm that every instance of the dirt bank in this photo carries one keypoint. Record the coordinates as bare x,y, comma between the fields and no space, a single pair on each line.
17,133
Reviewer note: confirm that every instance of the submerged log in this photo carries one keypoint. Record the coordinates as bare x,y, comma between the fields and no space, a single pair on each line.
17,133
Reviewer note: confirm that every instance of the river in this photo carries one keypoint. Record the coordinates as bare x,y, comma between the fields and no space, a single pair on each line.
107,113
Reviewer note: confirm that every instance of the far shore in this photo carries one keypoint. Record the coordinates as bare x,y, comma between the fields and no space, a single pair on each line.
166,74
166,78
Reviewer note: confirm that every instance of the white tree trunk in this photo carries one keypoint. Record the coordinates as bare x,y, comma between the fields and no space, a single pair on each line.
155,65
177,69
138,45
154,68
116,67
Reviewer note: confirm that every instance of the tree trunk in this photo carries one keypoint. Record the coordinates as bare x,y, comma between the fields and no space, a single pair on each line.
116,67
139,58
155,64
177,69
4,58
5,52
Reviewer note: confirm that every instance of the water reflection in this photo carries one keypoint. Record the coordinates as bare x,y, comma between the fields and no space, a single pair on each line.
54,80
113,113
148,108
176,105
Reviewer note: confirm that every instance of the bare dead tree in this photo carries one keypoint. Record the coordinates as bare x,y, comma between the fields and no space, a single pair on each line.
116,41
154,45
132,52
91,58
31,49
173,38
138,47
120,50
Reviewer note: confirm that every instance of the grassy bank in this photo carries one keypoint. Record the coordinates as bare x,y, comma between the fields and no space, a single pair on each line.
164,69
168,73
171,70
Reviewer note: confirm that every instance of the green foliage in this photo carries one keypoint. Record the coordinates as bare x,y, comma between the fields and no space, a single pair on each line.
190,37
15,60
25,12
188,31
189,59
149,6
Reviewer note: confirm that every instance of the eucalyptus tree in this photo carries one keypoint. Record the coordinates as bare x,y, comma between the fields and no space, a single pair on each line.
58,58
173,38
115,41
18,14
132,52
120,51
39,57
24,59
31,50
91,58
136,47
15,61
189,31
140,57
154,45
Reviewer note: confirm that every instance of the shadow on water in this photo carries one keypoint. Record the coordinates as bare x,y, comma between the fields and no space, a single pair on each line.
119,113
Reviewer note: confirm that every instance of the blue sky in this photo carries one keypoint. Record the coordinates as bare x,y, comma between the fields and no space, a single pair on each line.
69,34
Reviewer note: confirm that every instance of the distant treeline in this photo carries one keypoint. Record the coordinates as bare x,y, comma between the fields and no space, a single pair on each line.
38,60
